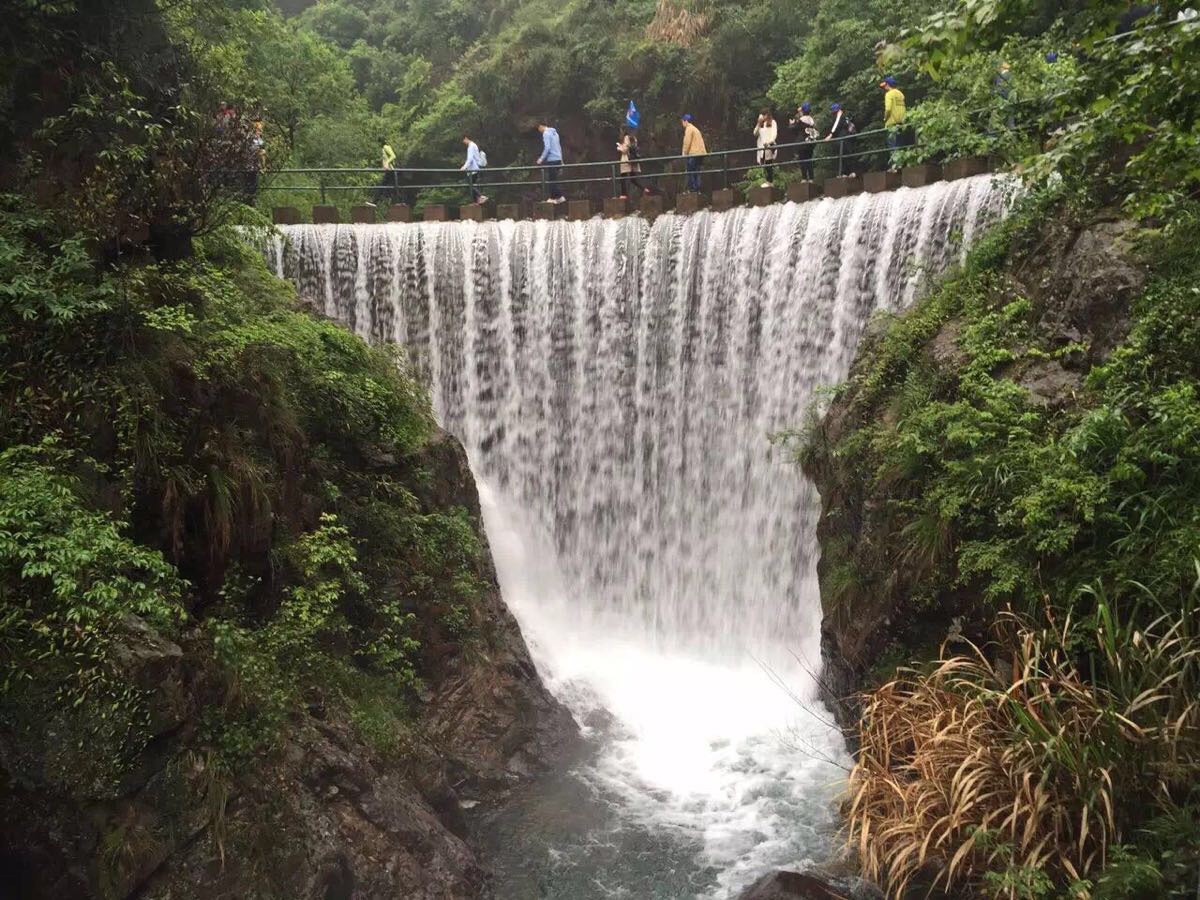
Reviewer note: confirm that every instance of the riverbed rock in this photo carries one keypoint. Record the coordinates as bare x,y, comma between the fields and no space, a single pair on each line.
786,885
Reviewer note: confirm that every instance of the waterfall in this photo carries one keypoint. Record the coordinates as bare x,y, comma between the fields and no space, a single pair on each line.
616,384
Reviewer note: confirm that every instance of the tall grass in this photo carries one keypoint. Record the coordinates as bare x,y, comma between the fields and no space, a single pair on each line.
1023,761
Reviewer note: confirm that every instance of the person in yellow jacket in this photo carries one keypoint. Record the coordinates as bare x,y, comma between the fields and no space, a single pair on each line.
694,150
893,116
387,161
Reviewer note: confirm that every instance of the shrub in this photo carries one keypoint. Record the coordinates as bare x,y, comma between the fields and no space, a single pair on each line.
1019,760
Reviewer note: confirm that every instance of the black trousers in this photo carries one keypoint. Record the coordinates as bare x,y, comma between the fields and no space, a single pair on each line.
768,166
841,156
552,172
630,179
804,153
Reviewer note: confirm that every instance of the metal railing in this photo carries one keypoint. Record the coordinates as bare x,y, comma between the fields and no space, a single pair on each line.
456,178
849,149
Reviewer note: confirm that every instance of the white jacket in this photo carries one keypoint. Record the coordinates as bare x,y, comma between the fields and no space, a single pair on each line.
767,135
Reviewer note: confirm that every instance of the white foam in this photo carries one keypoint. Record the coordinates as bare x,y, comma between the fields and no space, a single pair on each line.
615,385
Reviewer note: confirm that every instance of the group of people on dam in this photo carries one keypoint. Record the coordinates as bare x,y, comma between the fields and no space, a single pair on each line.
803,130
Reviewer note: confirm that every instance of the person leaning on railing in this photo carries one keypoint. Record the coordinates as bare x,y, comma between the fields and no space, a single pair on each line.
841,130
804,132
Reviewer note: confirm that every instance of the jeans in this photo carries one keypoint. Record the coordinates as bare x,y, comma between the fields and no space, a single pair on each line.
552,170
894,142
692,165
473,185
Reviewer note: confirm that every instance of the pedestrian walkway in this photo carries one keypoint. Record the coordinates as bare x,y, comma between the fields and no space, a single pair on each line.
651,205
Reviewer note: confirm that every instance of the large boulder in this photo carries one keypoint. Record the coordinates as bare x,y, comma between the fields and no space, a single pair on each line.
785,885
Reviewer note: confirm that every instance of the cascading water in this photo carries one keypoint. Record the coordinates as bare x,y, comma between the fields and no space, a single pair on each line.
615,385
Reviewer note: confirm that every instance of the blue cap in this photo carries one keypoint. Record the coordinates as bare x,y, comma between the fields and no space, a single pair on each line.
1051,57
835,108
687,117
890,81
805,106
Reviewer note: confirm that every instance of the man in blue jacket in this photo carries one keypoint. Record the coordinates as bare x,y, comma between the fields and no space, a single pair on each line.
472,166
551,158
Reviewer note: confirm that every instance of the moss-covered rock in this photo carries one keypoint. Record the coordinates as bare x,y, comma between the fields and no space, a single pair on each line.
997,355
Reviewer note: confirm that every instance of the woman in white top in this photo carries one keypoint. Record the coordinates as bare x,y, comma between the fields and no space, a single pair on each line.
767,133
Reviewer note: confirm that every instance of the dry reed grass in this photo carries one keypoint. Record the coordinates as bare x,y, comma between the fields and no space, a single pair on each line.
983,766
674,23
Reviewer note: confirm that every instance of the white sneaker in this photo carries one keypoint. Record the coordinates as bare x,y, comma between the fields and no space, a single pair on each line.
482,199
766,184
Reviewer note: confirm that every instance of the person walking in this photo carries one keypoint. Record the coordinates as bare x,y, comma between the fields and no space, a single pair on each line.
552,159
804,128
893,117
387,161
694,150
1000,87
630,167
256,160
475,161
841,130
766,133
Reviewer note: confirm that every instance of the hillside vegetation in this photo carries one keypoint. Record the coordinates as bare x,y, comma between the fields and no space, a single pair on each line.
1011,552
237,557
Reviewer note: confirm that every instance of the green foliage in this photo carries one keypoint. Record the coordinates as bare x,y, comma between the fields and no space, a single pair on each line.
192,412
839,60
74,592
1116,115
1080,510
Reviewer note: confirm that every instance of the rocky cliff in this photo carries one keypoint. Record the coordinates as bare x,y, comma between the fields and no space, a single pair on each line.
326,813
891,591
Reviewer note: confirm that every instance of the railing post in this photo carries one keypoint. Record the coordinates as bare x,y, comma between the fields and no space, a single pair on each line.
321,181
613,169
543,174
725,171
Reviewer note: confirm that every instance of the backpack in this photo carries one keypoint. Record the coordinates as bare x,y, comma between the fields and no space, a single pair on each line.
482,160
633,150
851,128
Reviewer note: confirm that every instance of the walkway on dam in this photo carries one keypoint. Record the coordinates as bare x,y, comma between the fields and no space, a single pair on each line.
523,184
648,205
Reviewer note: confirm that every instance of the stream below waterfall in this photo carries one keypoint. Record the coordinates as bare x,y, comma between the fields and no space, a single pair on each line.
616,385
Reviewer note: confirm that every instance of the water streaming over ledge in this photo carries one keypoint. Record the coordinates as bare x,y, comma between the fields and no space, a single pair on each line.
615,385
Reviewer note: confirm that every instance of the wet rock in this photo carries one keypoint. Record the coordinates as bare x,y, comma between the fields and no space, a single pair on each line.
490,716
944,350
155,665
1081,283
1050,386
785,885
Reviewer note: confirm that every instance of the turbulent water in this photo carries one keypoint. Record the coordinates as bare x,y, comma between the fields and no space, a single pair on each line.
616,385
